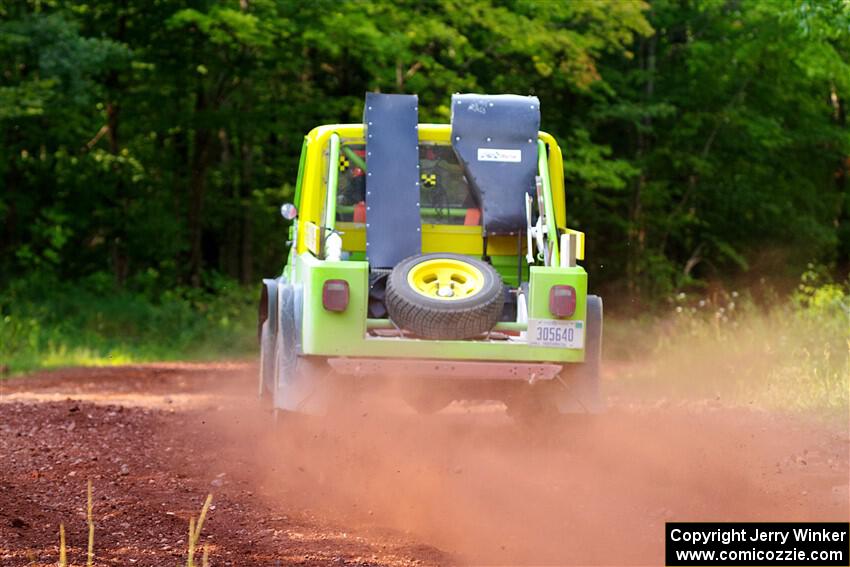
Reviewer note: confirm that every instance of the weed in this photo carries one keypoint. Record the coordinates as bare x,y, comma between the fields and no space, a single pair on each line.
791,354
195,535
63,552
195,527
90,522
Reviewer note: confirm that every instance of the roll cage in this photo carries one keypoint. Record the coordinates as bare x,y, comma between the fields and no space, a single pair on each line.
320,210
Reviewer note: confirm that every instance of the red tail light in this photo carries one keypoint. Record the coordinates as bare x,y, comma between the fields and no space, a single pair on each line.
335,295
562,300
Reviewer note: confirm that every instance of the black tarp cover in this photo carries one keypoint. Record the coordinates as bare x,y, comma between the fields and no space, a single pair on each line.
495,139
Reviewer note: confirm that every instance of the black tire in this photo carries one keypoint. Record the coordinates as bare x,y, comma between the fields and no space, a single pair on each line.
586,382
426,396
576,390
434,318
267,333
426,405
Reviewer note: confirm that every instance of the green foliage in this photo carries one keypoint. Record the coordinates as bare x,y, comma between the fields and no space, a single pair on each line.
791,355
154,142
735,130
47,324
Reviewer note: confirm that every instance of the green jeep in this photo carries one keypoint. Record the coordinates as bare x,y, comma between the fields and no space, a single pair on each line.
435,256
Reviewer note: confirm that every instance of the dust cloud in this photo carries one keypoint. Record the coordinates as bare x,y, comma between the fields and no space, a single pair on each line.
472,482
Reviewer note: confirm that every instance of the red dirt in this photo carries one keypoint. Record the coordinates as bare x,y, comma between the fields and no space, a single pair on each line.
381,485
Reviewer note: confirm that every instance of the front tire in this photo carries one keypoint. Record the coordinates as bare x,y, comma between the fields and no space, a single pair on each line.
267,335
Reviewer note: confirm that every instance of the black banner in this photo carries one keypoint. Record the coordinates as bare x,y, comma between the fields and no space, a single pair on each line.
757,543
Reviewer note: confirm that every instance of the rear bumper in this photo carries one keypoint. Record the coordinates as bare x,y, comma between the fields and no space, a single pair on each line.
464,369
347,334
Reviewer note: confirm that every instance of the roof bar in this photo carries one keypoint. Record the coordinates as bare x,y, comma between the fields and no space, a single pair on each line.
548,204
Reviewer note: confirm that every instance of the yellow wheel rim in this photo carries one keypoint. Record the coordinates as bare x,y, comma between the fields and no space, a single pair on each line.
445,279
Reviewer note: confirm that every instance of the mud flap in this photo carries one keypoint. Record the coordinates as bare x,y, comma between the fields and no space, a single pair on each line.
267,333
580,392
301,384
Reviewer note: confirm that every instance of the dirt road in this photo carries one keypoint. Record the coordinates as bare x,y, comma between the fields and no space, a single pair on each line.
382,486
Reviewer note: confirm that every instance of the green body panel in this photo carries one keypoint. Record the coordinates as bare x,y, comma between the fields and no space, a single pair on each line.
300,179
325,333
322,330
507,267
543,278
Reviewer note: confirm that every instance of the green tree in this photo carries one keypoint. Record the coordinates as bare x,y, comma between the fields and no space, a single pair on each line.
154,141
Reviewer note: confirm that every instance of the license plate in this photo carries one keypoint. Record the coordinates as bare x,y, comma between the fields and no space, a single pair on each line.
557,334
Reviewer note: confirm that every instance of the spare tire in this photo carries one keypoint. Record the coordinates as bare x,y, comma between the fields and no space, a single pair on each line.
444,296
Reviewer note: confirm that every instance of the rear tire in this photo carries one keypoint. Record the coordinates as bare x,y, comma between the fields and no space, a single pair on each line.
575,392
444,318
426,396
426,406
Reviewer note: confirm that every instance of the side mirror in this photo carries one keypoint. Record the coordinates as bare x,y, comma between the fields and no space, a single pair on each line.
288,211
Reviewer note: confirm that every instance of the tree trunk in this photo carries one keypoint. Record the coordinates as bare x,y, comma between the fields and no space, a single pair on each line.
118,241
247,178
12,184
229,243
179,180
842,219
197,190
637,228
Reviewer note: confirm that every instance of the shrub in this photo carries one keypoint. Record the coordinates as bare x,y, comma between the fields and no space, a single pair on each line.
48,324
790,354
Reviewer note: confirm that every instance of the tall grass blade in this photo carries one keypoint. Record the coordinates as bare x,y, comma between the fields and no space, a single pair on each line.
202,517
90,554
63,552
195,534
190,559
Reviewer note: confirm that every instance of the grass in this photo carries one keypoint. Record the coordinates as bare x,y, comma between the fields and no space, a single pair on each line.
48,325
195,535
195,527
90,522
774,354
751,348
63,551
